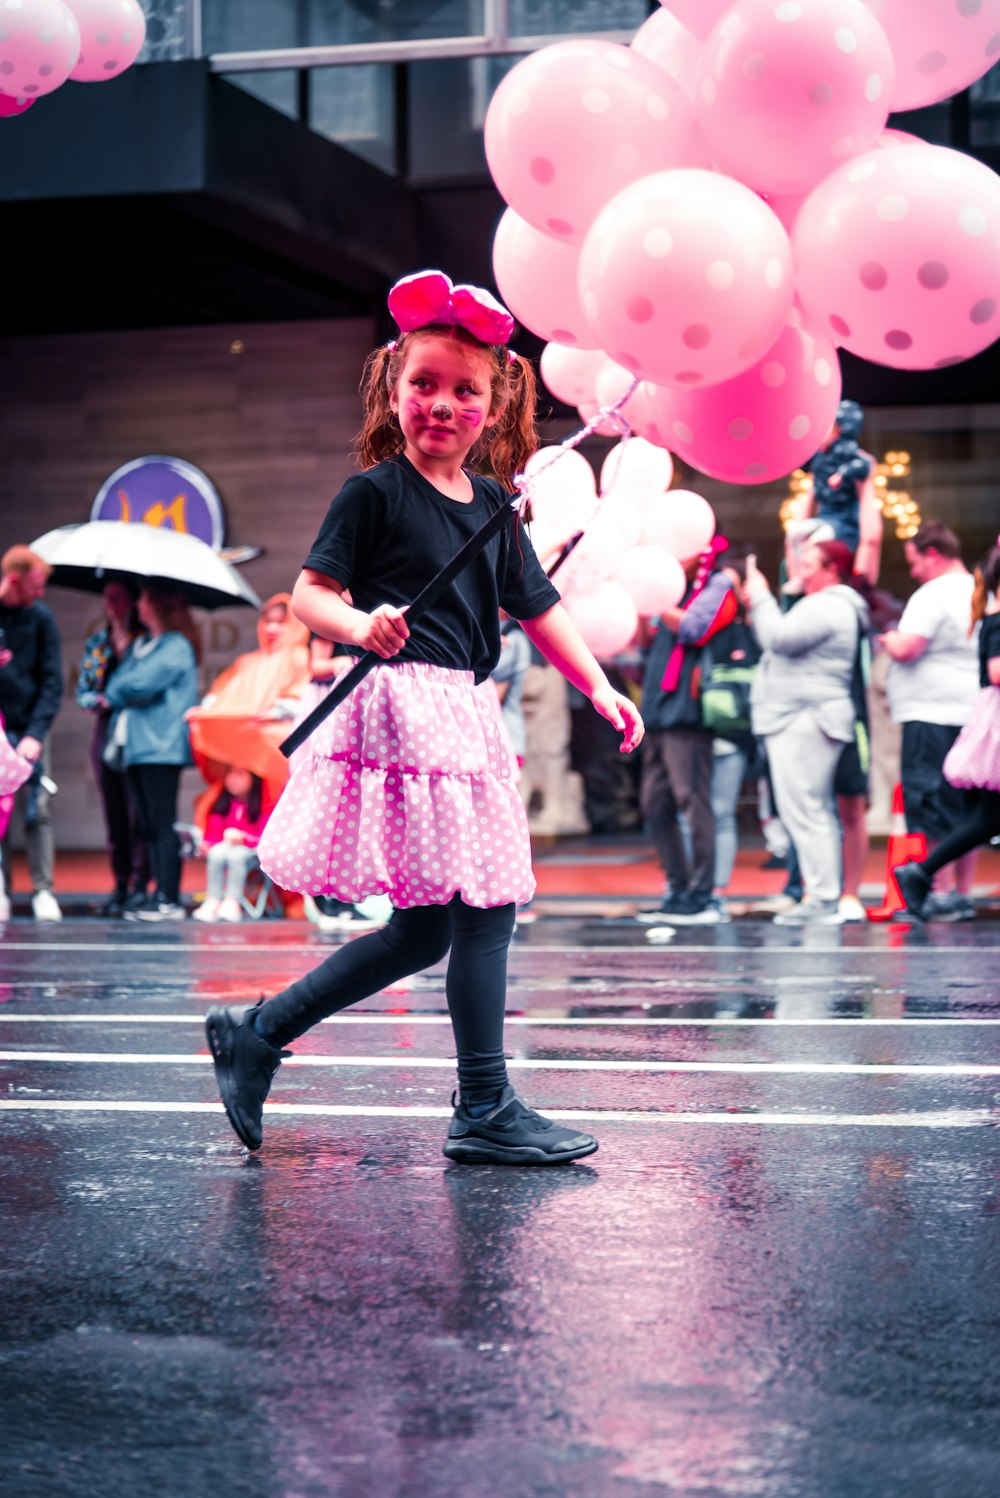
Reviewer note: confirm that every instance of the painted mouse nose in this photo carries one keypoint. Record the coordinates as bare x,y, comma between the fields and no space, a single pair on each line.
442,411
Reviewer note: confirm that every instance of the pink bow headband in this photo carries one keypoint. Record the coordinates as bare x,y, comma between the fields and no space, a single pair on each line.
428,297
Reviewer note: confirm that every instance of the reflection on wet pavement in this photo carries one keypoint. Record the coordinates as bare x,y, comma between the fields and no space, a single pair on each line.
777,1276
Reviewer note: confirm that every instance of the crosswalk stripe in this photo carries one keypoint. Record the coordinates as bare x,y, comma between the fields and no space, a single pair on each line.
741,1068
542,1021
948,1119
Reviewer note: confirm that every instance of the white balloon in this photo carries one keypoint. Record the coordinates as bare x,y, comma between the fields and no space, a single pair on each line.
570,373
653,578
680,521
606,618
613,381
560,485
637,467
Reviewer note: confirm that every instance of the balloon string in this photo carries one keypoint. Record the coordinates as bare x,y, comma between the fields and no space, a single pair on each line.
523,483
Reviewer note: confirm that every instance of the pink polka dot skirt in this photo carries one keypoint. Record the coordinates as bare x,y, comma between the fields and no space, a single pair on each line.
406,790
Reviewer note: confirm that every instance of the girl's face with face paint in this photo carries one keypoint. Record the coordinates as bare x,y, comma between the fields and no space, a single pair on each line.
444,398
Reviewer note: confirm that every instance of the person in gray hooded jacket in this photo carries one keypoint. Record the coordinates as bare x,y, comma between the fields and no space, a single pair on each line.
802,708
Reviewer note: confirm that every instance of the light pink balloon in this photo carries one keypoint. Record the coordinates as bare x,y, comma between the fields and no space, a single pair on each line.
653,578
607,426
686,277
9,107
536,275
606,618
787,209
666,41
605,540
788,89
898,255
561,483
612,383
636,467
766,422
573,123
699,16
112,33
571,373
680,521
39,46
940,46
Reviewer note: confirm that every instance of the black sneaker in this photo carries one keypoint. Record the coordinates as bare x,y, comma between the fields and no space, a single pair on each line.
697,909
666,910
158,910
244,1066
512,1135
914,886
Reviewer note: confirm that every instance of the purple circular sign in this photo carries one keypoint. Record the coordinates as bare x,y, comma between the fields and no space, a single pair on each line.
163,491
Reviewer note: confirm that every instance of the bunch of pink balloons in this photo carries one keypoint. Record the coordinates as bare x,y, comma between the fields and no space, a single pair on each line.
698,222
45,42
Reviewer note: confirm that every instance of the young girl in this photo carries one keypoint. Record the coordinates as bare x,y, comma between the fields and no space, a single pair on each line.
407,789
232,833
973,761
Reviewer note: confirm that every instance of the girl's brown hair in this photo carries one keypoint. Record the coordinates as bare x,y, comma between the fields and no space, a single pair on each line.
506,443
174,613
987,575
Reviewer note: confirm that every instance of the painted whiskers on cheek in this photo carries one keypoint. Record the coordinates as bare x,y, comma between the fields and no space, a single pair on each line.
474,418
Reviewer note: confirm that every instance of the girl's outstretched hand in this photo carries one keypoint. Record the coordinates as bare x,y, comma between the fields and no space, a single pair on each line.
622,713
385,631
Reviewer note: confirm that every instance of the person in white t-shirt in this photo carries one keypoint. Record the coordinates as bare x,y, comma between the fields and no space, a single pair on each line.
933,680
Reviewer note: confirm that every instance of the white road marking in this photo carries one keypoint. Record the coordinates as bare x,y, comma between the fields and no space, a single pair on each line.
608,1021
950,1119
750,1068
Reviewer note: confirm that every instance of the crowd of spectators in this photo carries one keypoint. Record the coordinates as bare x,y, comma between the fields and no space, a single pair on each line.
744,683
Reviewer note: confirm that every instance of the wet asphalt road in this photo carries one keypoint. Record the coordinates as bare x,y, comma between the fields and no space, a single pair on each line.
778,1278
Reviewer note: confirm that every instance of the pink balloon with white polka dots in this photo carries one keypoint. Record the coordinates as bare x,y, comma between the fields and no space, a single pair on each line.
10,108
668,43
940,46
536,275
766,422
787,89
39,46
112,33
898,256
699,16
686,277
573,123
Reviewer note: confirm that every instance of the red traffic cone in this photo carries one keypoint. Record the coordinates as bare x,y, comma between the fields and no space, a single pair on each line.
902,846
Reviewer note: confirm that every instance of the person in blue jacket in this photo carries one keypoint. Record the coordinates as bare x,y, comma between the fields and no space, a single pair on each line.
149,694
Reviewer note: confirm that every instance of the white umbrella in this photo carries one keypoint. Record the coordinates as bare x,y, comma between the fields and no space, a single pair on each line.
102,551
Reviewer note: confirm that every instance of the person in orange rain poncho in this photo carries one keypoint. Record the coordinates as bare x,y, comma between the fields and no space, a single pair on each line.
245,715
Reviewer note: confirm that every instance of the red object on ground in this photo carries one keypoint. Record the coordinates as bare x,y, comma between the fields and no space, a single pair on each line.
901,847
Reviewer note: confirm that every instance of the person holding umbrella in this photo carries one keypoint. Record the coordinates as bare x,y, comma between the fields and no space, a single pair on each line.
103,652
31,691
149,695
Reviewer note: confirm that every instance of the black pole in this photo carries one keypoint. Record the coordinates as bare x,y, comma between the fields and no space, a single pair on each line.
424,600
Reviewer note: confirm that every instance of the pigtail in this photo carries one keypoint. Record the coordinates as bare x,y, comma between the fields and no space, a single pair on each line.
379,437
514,437
987,583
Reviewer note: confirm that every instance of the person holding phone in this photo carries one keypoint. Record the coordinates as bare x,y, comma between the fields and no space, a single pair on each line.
802,707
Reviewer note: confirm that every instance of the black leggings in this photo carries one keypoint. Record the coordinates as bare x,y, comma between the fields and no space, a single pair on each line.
476,985
976,830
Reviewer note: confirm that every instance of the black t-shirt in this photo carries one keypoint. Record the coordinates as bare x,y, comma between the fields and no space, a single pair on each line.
989,646
389,531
